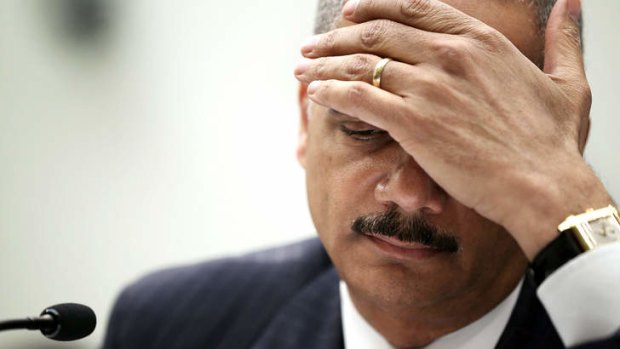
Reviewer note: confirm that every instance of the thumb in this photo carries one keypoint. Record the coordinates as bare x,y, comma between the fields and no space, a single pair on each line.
563,55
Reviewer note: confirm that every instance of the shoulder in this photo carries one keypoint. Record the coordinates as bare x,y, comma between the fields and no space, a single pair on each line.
292,262
212,293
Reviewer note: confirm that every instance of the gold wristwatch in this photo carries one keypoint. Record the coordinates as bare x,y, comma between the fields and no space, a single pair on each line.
578,234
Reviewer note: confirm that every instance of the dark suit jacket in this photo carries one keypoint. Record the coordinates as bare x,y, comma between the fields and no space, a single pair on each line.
286,297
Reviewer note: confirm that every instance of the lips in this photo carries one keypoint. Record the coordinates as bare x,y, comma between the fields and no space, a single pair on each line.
401,244
397,249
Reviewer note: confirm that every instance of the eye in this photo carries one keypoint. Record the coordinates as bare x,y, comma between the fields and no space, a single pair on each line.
361,131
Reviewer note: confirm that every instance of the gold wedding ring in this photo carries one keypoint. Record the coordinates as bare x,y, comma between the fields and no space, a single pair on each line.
379,68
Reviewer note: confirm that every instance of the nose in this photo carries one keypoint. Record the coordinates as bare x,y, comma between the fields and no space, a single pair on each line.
409,187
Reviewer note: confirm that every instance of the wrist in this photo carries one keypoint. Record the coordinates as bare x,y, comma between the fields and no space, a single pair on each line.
550,201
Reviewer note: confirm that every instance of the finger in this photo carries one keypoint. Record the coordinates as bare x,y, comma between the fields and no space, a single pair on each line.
370,104
358,67
383,38
427,15
563,56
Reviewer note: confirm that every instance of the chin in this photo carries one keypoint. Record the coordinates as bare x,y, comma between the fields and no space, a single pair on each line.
391,282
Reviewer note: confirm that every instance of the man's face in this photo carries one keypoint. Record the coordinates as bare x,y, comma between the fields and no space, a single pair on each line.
362,186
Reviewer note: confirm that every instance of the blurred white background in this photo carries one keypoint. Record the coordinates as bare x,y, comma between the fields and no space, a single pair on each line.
165,134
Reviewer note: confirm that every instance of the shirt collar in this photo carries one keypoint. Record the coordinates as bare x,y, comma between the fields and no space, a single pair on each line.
480,334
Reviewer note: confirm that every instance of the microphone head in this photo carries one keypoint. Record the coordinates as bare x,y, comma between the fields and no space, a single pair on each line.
72,321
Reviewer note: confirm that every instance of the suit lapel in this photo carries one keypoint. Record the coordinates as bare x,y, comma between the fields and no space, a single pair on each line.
311,319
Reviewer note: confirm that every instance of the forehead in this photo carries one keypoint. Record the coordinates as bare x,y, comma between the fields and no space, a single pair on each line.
515,19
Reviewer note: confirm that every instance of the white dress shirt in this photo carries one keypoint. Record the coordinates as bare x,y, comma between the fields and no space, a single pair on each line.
582,299
482,333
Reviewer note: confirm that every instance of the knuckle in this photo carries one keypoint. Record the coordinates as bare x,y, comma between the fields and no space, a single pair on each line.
415,8
320,68
356,93
450,50
359,66
490,40
322,90
374,33
489,36
327,41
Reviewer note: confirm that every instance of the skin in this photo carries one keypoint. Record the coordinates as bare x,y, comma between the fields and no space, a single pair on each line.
497,164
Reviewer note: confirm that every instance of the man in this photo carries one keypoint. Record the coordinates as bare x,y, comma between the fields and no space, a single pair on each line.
435,179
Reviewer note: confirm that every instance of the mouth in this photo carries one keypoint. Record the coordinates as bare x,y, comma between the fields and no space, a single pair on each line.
395,248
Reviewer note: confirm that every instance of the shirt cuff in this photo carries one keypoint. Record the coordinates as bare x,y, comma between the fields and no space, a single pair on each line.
582,298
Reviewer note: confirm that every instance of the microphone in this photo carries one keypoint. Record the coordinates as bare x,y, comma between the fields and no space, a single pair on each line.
61,322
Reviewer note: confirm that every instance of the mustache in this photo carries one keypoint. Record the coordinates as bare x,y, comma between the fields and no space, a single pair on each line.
413,228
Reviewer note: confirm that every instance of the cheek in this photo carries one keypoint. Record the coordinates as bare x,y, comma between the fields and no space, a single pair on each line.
340,186
487,250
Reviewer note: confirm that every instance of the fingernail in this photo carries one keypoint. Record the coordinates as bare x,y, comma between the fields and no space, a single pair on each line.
313,87
309,44
574,10
302,66
349,8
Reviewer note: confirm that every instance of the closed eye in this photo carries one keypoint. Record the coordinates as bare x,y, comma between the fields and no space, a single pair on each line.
367,133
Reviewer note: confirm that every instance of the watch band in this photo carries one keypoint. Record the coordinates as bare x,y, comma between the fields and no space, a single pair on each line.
578,234
559,251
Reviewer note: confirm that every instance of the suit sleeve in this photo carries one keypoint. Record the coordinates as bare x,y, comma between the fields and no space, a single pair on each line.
582,299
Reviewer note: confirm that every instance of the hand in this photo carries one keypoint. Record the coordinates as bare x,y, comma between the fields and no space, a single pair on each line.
493,130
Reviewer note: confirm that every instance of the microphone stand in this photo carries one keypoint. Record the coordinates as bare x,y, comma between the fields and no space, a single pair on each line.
37,323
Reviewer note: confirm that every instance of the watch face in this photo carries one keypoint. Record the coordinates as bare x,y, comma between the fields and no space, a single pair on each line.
604,230
594,227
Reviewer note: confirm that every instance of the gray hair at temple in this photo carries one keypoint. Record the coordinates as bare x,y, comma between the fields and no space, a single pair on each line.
329,11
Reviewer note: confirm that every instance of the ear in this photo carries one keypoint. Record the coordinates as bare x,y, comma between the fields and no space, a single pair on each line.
302,141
